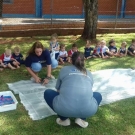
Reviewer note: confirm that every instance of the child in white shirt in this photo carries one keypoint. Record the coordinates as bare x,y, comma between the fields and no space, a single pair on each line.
54,45
104,50
63,56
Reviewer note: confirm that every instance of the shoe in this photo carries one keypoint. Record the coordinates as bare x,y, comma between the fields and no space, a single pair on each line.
81,123
63,122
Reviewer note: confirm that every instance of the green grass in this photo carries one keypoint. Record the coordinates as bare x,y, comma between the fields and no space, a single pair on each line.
113,119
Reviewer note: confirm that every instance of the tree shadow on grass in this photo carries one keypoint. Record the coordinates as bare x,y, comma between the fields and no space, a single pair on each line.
112,119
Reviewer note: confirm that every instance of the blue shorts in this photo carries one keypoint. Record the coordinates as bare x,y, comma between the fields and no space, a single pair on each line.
131,50
87,56
64,58
7,62
105,54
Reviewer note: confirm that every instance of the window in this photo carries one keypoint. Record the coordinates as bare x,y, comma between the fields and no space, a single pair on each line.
7,1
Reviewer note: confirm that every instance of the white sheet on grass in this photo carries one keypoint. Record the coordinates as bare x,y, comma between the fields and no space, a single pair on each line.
113,84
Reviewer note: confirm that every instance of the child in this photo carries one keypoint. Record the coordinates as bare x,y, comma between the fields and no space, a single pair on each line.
87,50
54,45
97,50
18,57
131,48
70,52
63,56
6,59
122,51
104,50
112,48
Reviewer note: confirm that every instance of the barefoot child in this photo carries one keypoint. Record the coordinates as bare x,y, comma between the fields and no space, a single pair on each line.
87,50
18,57
122,51
63,56
6,59
104,50
70,52
97,50
112,48
131,48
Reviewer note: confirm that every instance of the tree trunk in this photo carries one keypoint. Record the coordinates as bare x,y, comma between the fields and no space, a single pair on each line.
1,7
91,17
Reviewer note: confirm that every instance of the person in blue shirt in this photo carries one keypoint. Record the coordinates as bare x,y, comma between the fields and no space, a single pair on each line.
88,49
74,96
18,56
131,48
112,48
37,58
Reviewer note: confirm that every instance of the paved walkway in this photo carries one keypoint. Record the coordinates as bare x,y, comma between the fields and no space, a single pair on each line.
23,21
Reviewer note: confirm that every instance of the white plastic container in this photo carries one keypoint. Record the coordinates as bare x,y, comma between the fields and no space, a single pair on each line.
10,106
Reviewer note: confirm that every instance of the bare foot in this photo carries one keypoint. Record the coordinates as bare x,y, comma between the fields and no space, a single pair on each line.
4,66
18,66
13,68
1,69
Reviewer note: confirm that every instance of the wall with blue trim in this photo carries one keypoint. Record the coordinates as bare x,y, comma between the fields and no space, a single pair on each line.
39,13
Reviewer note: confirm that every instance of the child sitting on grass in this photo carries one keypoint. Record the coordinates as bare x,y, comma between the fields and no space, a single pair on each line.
70,52
104,50
112,48
63,56
131,48
97,50
6,59
87,50
122,51
18,57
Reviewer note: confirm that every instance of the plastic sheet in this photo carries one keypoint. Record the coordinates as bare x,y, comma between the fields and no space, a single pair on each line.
113,84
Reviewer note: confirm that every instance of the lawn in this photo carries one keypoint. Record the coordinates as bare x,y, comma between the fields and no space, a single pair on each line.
113,119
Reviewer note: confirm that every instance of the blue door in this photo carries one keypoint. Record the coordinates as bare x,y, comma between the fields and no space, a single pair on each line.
38,8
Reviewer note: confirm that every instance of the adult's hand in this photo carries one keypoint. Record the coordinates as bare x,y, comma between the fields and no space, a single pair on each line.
37,79
45,81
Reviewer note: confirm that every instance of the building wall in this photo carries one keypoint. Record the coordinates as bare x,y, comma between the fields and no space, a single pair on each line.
20,7
130,7
65,8
108,7
62,9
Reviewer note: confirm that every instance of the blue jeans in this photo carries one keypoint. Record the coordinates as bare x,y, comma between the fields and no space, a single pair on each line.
49,95
36,67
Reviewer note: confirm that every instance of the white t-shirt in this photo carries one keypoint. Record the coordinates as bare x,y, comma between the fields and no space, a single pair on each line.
7,58
104,49
63,53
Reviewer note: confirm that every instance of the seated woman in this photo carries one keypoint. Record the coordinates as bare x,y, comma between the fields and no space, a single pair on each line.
37,58
74,96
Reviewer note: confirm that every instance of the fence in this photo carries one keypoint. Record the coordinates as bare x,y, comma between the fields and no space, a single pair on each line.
111,13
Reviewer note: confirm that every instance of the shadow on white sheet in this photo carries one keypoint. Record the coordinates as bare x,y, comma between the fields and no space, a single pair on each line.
113,84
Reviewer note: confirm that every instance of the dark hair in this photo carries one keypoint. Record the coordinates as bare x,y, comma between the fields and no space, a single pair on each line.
133,40
111,41
61,46
78,61
74,45
34,46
